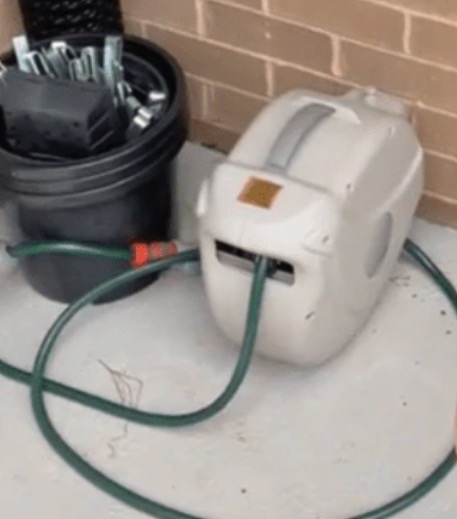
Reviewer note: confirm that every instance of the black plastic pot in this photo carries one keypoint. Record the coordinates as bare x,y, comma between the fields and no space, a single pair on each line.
116,198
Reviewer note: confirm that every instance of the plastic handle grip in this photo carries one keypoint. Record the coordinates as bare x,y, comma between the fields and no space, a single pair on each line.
302,124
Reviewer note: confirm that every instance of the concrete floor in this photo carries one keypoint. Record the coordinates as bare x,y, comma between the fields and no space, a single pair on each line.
322,444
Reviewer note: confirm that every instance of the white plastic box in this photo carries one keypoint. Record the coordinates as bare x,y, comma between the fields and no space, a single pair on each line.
327,186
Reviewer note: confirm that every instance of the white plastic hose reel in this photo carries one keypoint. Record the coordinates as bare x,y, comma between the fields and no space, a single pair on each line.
327,187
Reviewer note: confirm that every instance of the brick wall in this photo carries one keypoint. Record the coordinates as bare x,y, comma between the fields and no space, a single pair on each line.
10,23
239,53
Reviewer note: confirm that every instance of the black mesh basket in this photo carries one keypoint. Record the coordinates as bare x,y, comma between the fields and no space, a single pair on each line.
50,18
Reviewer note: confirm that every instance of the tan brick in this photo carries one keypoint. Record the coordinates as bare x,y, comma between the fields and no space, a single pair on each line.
288,78
260,34
254,4
445,8
438,209
437,131
230,109
195,97
441,176
10,23
360,20
212,62
434,86
133,27
434,40
213,136
179,14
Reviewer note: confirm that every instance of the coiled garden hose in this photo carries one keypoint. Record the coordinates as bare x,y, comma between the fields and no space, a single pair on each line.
39,384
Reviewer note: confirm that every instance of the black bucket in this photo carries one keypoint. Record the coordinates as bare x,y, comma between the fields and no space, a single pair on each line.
115,198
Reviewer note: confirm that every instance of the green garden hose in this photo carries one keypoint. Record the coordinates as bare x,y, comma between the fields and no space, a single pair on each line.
68,248
39,383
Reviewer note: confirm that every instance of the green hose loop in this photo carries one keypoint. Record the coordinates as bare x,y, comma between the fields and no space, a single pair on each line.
39,384
113,408
77,462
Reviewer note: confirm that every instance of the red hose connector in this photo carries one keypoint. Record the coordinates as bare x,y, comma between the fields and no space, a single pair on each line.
144,253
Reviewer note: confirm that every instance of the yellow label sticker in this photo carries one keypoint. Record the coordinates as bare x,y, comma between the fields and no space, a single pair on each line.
259,192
